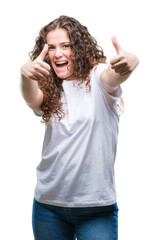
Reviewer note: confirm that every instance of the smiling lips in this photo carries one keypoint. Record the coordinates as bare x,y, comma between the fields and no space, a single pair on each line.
61,64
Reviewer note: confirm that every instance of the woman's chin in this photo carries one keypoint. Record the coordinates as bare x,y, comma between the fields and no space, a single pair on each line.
65,76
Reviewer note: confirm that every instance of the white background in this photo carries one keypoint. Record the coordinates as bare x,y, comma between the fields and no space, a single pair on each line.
135,24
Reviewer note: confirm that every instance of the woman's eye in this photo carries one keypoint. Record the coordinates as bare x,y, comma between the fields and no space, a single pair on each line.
51,48
65,46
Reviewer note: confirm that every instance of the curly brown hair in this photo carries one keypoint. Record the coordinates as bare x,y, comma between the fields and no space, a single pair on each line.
85,55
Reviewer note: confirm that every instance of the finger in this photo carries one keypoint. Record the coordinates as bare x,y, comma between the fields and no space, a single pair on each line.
40,76
45,65
43,52
34,78
119,65
43,72
116,59
125,73
117,46
120,70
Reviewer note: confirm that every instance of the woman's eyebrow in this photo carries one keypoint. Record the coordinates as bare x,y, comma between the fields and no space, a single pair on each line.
50,44
65,42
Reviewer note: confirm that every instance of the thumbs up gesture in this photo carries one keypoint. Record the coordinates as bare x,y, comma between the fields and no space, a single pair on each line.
37,69
123,63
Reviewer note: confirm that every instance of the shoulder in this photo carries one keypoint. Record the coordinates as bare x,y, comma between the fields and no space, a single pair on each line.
97,70
100,66
96,79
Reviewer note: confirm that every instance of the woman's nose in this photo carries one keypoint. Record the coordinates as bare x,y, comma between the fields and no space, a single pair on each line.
58,53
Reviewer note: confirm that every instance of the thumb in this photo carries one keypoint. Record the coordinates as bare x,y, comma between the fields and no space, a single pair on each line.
115,43
43,52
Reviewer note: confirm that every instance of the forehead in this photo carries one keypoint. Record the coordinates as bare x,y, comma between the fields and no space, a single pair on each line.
57,36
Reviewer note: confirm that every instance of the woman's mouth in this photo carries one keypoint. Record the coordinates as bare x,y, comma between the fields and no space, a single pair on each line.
61,64
63,68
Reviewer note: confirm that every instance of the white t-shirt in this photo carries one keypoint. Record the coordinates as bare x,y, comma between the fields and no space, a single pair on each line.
78,155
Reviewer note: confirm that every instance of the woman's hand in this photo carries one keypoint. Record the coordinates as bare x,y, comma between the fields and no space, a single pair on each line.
120,68
38,69
123,63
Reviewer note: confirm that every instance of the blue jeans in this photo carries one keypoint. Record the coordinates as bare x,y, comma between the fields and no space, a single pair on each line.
86,223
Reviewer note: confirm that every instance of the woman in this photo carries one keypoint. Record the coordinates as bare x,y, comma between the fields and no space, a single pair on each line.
68,83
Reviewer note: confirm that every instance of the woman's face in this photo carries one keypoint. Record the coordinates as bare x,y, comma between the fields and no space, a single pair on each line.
60,53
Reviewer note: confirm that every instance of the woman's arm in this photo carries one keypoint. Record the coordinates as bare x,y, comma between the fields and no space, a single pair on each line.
31,72
120,68
31,93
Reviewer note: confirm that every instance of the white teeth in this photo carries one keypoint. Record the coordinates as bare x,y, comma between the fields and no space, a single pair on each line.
61,62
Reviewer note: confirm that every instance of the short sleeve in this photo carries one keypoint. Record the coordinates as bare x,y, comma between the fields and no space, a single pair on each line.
118,92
